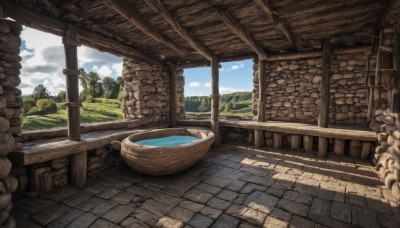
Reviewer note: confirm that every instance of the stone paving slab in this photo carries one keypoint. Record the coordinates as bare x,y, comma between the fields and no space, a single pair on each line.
233,186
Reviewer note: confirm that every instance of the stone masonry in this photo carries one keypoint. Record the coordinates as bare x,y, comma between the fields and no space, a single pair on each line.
293,89
10,109
147,95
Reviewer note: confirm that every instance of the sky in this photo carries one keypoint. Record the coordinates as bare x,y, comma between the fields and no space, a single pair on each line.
43,61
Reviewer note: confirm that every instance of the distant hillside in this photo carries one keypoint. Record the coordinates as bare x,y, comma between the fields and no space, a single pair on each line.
239,102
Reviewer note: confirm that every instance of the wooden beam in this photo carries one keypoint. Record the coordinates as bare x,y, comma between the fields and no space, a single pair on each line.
70,41
323,119
215,101
132,15
240,31
173,93
279,22
159,8
283,56
78,167
259,135
56,27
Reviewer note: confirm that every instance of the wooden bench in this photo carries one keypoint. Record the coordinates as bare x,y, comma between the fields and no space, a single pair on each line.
39,151
361,139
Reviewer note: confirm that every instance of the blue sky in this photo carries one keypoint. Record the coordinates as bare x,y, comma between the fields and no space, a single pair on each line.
43,61
233,77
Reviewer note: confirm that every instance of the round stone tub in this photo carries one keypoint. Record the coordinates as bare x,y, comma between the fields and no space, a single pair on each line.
165,160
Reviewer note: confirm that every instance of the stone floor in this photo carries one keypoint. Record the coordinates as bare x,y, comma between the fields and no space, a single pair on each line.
233,187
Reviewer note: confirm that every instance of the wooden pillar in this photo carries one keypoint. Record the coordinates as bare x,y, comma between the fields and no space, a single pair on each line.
365,150
173,93
78,169
259,139
71,72
215,100
323,119
355,148
308,141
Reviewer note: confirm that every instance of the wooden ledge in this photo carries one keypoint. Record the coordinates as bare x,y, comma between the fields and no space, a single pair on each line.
39,151
337,132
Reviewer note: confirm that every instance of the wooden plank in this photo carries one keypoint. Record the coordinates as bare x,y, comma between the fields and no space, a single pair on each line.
279,22
133,16
45,150
240,31
72,82
259,139
159,8
173,93
78,169
283,56
295,142
215,101
323,118
365,150
292,128
54,26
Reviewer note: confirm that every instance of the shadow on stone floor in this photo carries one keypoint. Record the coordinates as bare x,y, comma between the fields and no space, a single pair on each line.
233,186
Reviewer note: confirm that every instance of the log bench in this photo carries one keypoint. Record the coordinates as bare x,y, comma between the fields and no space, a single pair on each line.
361,139
34,152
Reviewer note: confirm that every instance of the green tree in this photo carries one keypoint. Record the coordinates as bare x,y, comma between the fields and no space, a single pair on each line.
99,90
61,97
40,92
111,88
88,82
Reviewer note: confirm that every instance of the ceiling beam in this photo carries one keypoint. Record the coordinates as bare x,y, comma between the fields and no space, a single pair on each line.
159,8
279,22
131,15
51,25
240,31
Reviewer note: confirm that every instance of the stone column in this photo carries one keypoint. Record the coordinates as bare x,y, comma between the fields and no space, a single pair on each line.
10,110
147,96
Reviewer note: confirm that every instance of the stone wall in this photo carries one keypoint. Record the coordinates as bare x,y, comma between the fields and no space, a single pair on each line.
10,109
147,92
387,154
293,89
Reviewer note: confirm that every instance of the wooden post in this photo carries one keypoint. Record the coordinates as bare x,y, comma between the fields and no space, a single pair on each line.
78,169
259,139
295,142
322,146
71,72
277,140
323,119
215,100
355,148
338,147
173,92
365,149
308,143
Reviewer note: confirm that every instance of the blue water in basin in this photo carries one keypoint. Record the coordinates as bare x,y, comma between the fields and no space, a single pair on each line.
174,140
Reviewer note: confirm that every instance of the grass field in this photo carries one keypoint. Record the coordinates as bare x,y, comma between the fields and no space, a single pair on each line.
100,111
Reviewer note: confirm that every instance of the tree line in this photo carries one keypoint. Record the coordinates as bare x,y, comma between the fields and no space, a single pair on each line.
228,102
41,101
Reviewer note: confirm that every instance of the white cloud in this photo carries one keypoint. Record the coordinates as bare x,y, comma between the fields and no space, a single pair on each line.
104,71
194,84
225,90
43,61
236,66
194,94
207,84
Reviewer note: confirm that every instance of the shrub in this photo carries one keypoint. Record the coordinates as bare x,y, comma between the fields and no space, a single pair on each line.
28,105
89,99
46,106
